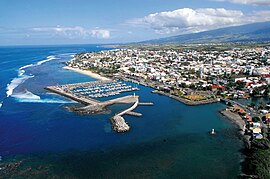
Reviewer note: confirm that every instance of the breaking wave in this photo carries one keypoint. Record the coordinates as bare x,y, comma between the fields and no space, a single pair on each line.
28,97
49,58
16,82
46,100
22,77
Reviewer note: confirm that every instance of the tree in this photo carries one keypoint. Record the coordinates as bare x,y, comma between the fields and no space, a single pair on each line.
192,86
255,92
240,85
132,70
252,104
209,88
267,91
256,119
258,162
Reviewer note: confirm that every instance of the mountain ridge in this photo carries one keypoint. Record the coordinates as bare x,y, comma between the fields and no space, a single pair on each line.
255,32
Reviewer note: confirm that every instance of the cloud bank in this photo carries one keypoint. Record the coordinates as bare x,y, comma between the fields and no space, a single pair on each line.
253,2
188,20
74,32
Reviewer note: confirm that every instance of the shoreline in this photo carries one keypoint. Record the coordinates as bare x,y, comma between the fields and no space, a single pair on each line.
239,122
235,118
88,73
188,102
180,99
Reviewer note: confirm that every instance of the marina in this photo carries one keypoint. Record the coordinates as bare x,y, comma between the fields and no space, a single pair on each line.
85,93
101,89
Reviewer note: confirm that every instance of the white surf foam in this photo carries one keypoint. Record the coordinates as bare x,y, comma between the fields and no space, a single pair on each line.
49,58
22,77
16,82
46,100
26,95
1,104
26,66
29,97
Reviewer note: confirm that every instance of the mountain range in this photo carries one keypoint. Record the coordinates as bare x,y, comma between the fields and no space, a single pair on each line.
256,32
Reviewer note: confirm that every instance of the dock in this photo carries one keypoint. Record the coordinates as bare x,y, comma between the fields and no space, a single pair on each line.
146,104
83,93
132,113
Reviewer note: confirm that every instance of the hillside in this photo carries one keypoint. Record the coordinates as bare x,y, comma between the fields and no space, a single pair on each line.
257,32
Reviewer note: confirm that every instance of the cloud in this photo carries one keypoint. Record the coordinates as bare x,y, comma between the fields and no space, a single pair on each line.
188,20
74,32
101,33
253,2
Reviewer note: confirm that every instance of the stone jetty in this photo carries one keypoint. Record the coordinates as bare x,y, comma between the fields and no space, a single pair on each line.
119,124
79,92
118,121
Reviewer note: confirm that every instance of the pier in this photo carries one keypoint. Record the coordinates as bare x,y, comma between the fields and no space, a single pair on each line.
132,113
146,104
83,93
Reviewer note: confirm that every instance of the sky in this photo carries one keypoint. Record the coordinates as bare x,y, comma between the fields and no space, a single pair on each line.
42,22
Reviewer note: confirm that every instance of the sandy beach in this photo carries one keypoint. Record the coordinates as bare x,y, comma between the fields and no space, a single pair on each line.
89,73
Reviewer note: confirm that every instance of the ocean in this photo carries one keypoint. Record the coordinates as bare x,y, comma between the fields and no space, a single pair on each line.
170,140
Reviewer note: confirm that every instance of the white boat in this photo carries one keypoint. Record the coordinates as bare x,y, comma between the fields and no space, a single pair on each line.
213,132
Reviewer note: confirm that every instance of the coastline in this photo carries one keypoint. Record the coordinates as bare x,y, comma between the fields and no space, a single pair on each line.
88,73
187,102
239,122
235,118
182,100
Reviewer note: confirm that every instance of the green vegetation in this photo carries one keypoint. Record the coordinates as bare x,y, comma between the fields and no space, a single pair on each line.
240,85
259,159
252,104
103,71
256,92
256,119
132,70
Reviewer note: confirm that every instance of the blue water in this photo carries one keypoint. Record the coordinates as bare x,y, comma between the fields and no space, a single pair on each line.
170,140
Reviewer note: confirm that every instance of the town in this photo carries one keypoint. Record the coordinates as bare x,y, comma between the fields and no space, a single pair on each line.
194,76
190,74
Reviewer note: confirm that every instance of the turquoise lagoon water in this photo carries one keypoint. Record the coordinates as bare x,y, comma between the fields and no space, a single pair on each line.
170,140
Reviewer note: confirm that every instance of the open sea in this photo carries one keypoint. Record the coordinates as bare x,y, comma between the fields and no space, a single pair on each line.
170,140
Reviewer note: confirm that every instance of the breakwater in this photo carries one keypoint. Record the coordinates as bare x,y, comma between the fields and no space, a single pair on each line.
62,92
119,123
77,93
